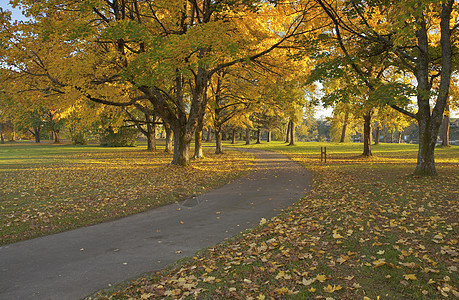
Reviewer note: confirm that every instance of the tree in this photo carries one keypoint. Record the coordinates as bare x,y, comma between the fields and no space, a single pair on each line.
419,37
151,55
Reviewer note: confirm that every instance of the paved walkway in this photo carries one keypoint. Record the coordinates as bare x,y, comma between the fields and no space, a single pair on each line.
73,264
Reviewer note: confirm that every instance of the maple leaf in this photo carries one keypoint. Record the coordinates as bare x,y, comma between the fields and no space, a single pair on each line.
321,278
410,276
331,289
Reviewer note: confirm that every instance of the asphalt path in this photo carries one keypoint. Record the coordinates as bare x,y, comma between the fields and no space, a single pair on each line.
76,263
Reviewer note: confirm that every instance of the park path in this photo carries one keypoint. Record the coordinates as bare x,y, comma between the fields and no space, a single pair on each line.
73,264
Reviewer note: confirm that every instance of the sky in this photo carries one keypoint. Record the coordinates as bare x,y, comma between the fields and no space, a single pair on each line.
16,13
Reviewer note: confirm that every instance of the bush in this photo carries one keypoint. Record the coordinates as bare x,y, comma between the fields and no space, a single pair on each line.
125,137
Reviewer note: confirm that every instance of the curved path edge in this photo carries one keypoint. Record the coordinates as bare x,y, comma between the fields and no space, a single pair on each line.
76,263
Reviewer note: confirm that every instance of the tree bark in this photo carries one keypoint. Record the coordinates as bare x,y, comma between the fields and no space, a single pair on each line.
13,133
182,141
198,140
218,141
209,134
259,136
446,123
151,133
36,134
247,136
2,140
367,135
169,137
56,137
292,133
377,134
269,136
343,131
233,138
287,137
429,122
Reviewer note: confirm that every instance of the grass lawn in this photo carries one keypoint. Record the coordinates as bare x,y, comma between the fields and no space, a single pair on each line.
49,188
368,230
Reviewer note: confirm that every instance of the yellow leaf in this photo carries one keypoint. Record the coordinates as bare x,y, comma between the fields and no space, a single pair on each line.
337,235
410,277
312,290
321,278
331,289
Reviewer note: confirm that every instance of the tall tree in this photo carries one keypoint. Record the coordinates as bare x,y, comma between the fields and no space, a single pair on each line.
419,37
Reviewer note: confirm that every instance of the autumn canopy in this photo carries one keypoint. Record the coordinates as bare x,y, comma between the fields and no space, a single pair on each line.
188,64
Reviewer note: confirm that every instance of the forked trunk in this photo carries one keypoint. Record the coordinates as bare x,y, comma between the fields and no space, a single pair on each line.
367,135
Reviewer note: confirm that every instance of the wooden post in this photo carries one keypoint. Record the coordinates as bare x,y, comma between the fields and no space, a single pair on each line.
323,154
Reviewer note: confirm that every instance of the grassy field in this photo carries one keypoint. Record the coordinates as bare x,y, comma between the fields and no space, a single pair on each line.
367,230
49,188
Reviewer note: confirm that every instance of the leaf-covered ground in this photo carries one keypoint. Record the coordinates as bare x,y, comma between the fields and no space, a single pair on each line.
52,188
367,230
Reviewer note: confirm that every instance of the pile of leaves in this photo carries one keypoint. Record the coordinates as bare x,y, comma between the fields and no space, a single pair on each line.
368,229
60,189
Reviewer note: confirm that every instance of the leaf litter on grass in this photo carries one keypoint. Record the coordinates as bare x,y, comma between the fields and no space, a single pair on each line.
368,229
88,187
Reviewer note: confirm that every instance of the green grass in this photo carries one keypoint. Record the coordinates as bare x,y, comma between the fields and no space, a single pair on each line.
49,188
368,228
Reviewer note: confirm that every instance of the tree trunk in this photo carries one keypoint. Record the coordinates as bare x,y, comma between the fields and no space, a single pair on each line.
429,121
56,137
198,140
367,135
151,133
377,134
2,141
446,123
37,134
400,133
169,137
218,141
287,137
259,136
292,133
13,133
181,147
233,138
224,135
247,136
209,135
343,131
269,136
